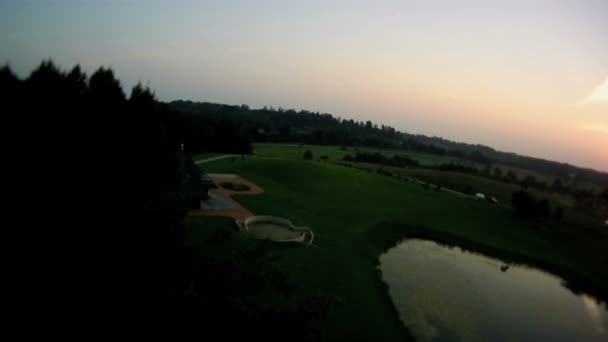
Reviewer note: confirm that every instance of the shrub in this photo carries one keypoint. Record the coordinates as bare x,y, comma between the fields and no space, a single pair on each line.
526,206
379,158
558,214
403,160
307,155
456,168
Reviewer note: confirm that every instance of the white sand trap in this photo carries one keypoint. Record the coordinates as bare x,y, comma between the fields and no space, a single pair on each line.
275,229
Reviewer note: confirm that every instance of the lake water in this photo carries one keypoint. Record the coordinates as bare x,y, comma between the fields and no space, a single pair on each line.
445,293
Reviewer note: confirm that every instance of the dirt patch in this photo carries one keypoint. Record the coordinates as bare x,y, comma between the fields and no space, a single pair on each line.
221,202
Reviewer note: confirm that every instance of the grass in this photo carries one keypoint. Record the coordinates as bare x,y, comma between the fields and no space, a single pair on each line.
548,179
336,153
355,215
459,181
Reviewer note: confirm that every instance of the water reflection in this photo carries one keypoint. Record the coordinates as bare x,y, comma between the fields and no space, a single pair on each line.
449,294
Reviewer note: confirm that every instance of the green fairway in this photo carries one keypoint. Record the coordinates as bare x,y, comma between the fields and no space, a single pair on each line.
459,182
355,214
336,153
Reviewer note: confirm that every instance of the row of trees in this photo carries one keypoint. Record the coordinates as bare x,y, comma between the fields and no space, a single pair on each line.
108,165
217,135
280,125
379,158
527,206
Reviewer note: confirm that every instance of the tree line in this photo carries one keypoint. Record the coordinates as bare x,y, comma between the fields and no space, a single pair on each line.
105,174
269,124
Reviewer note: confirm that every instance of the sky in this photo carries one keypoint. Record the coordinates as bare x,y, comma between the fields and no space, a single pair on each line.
529,77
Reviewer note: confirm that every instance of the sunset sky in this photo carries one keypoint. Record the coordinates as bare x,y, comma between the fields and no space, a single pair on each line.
529,77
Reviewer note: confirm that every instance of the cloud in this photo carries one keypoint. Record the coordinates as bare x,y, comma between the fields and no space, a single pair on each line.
600,94
595,127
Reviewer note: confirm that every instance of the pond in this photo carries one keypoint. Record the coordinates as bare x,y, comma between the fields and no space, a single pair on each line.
446,293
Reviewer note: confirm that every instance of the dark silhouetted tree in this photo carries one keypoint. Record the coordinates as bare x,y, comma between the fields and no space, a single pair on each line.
557,185
511,177
527,206
116,168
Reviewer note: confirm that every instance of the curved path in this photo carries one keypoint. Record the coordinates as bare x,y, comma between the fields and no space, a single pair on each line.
234,209
203,161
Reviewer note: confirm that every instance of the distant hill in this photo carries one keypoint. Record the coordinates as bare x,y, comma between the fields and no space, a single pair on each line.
289,125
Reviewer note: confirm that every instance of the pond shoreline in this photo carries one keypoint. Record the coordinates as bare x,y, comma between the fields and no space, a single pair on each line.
387,235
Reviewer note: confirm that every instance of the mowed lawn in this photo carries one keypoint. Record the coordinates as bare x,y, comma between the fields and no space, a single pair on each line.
479,184
354,213
336,153
455,180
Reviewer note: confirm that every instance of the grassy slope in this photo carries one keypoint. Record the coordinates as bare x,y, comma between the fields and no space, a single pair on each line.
335,153
349,211
491,187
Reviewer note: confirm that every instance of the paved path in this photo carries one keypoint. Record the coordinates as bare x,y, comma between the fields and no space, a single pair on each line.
223,198
202,161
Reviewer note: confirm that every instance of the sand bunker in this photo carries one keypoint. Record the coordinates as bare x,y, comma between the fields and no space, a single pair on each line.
275,229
